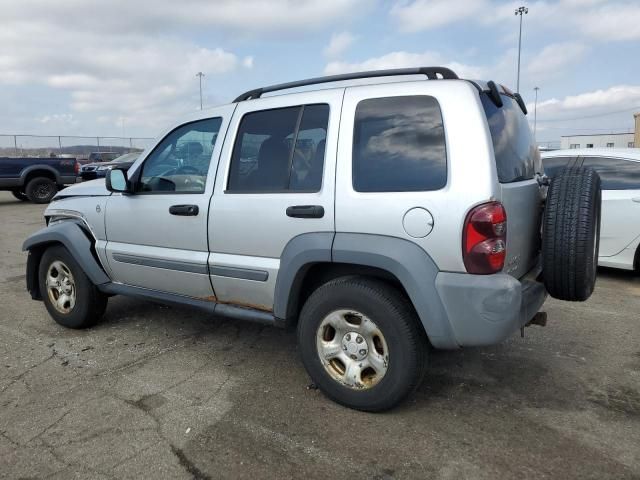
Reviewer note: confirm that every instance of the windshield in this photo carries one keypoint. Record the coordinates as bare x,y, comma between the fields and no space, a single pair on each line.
127,157
517,156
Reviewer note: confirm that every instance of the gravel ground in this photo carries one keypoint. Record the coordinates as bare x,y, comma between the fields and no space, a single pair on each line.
157,392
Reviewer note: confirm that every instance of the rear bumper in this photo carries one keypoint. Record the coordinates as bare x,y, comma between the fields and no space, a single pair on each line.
68,179
486,309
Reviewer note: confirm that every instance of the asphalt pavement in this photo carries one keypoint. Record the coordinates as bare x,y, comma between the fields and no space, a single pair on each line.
164,392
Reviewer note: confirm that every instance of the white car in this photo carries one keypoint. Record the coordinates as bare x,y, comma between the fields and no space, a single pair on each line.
619,170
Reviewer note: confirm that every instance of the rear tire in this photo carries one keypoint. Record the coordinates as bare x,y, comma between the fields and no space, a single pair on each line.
70,297
571,234
20,195
391,343
41,190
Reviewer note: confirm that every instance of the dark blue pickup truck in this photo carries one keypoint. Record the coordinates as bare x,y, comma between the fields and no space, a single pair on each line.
37,179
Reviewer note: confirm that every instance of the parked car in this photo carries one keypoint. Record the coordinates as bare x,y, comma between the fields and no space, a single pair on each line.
381,219
36,179
619,170
96,157
92,171
99,157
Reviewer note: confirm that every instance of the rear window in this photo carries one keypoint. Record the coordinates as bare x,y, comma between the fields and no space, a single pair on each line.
399,145
517,157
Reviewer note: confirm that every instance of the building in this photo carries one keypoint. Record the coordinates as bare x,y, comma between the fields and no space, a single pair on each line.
610,140
604,140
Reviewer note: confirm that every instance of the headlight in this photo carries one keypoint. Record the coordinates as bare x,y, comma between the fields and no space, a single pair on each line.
107,167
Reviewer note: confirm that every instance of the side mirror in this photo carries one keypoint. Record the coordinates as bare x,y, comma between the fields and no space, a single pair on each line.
116,181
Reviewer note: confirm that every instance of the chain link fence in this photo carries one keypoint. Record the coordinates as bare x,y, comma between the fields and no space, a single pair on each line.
67,146
82,147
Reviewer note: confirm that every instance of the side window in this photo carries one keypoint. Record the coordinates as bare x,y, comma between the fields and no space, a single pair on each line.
615,173
553,165
399,145
180,162
280,150
308,155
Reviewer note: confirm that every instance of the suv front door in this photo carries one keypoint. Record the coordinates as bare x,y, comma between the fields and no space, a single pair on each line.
273,162
157,237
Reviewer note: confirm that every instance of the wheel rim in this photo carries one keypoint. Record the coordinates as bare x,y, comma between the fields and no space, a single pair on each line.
43,190
352,349
61,287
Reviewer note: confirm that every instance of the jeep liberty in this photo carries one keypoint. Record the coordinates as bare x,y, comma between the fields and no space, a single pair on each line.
382,216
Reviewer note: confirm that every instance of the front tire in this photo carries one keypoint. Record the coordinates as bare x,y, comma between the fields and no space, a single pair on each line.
41,190
20,195
68,294
361,343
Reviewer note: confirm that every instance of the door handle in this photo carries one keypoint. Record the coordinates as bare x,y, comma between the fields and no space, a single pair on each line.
305,211
184,210
636,199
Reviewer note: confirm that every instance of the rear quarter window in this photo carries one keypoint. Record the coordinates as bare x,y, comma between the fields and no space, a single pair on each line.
615,173
515,150
399,145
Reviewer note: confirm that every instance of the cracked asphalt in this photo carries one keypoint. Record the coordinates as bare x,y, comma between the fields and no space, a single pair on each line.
157,392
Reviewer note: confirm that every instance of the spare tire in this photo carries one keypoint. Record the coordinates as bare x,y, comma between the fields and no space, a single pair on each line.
571,234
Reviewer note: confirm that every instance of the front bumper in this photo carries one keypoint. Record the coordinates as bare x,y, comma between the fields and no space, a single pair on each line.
486,309
86,176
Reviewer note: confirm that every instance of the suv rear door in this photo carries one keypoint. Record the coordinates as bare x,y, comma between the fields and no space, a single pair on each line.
271,189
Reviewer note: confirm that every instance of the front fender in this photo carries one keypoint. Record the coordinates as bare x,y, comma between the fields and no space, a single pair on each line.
73,237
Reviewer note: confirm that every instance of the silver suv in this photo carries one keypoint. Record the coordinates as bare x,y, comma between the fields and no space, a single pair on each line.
382,219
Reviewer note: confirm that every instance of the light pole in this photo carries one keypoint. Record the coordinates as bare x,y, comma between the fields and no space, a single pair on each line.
520,11
535,112
200,75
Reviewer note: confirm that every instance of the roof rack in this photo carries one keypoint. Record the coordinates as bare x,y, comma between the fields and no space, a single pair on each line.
432,73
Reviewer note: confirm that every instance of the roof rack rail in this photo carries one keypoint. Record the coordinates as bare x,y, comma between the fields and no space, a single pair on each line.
432,73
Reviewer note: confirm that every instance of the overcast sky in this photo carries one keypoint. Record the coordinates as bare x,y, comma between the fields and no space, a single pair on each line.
81,67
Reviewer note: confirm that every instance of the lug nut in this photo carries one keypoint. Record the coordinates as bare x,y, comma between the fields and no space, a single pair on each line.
363,352
358,339
354,357
348,337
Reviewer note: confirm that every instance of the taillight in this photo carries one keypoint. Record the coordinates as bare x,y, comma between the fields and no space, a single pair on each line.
484,239
77,168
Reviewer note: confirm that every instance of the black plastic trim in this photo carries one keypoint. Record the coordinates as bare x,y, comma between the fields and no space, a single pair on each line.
241,273
494,94
158,263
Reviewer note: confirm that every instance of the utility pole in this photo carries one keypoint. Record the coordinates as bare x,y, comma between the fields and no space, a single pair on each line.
520,11
200,75
535,112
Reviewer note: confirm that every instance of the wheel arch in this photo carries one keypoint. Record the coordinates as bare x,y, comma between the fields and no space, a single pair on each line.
34,171
75,239
310,259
